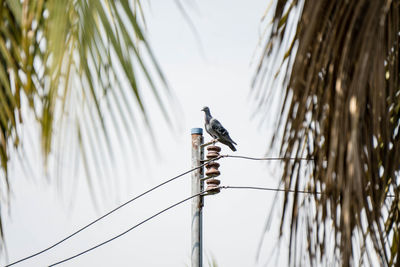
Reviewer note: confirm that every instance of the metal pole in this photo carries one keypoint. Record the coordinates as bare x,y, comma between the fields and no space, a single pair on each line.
197,202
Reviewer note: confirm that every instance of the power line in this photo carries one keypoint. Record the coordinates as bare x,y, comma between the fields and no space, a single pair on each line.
110,212
269,189
153,188
276,189
176,204
128,230
265,158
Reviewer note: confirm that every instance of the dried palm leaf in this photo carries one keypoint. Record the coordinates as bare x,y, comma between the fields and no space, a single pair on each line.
341,107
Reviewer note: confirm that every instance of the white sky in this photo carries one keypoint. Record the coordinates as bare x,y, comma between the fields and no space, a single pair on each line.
216,74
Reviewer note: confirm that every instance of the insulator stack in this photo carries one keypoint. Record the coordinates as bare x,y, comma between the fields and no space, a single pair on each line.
212,170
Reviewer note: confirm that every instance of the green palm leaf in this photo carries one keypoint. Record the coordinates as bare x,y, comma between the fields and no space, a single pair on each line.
77,64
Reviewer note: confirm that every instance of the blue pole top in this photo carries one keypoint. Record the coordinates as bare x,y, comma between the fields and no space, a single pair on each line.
197,131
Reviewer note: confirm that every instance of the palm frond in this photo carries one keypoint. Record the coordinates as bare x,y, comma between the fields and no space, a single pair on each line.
341,107
82,67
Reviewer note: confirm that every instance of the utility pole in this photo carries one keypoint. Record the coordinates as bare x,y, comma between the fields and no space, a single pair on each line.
197,202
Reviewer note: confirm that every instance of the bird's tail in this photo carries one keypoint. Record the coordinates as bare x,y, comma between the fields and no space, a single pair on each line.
230,140
231,146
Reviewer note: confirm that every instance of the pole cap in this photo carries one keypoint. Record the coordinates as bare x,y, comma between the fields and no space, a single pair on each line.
197,131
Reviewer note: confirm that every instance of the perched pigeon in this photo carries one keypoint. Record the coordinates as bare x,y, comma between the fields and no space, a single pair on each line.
216,130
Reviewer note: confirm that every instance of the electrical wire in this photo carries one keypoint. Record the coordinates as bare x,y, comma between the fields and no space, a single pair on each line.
176,204
128,230
266,158
163,183
275,189
110,212
269,189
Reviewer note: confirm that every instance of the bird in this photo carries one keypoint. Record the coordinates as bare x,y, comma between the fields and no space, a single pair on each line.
216,130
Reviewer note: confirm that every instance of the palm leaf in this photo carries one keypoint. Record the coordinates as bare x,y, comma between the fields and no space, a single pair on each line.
341,108
80,65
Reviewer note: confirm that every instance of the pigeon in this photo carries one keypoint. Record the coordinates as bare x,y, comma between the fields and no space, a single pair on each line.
216,130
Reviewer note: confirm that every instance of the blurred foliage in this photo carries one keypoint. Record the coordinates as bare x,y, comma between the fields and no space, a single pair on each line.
339,65
75,63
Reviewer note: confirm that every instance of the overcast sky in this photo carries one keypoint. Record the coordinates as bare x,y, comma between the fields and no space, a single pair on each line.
215,71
